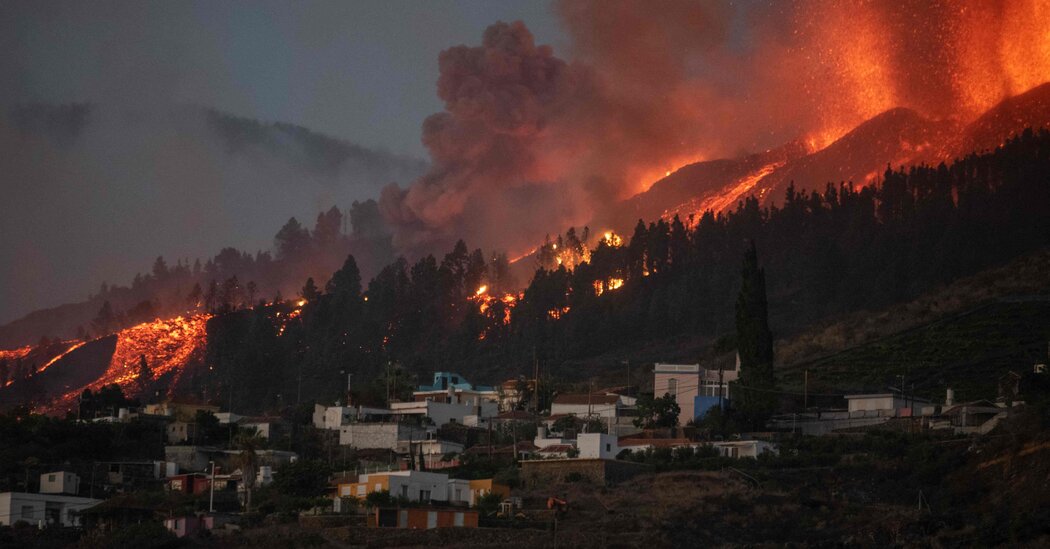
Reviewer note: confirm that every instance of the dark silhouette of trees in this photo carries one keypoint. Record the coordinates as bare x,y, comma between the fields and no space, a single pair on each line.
754,394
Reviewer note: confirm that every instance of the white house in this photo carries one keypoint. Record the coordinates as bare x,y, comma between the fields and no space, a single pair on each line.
445,412
597,445
60,482
51,507
413,485
744,448
332,417
884,404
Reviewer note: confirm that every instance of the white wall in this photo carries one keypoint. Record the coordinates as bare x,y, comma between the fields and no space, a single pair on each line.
581,410
411,483
59,482
15,506
597,445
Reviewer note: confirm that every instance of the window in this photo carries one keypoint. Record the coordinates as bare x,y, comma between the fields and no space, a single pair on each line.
404,491
608,447
27,513
459,494
51,478
672,387
424,495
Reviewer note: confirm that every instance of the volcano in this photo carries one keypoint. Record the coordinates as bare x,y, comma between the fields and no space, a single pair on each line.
897,137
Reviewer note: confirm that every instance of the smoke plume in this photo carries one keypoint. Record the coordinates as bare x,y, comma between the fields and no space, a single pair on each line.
530,143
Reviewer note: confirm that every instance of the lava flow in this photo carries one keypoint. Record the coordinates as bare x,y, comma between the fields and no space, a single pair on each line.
168,347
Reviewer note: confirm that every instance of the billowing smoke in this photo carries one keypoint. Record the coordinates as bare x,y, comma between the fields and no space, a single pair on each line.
530,143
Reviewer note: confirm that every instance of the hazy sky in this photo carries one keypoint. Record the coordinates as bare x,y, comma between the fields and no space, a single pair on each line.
360,70
146,178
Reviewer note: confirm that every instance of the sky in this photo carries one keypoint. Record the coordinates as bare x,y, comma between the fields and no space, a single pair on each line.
146,177
362,71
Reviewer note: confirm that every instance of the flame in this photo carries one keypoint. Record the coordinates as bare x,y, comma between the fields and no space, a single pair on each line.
484,288
602,286
612,239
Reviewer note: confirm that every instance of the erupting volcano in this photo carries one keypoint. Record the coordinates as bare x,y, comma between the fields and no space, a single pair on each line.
651,112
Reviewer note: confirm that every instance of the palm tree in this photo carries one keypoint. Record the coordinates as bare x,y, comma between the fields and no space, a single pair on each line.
247,459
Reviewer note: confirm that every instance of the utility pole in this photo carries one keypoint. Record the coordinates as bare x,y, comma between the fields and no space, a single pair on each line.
805,391
590,391
535,382
211,483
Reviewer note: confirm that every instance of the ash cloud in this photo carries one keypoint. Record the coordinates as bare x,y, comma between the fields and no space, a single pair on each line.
645,87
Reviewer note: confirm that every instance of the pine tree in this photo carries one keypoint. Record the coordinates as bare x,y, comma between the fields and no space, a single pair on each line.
310,291
145,372
754,396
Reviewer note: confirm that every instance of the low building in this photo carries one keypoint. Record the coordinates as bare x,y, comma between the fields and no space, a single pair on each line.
419,486
60,482
597,445
265,427
332,417
178,432
885,404
744,448
422,518
696,388
181,409
187,526
42,509
379,435
441,413
584,405
190,483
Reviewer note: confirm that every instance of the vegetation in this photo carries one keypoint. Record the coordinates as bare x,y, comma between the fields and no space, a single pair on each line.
838,250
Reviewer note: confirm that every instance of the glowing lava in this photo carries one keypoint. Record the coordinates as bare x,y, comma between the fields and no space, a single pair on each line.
168,346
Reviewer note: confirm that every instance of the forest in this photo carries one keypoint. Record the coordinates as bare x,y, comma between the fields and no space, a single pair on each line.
836,249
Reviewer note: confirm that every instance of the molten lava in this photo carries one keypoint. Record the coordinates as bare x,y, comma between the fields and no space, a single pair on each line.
168,346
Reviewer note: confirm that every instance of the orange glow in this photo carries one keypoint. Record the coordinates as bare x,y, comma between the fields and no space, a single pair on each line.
612,239
168,345
602,286
74,347
556,314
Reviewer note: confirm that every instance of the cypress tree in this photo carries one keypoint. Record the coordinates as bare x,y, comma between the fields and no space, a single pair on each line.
754,396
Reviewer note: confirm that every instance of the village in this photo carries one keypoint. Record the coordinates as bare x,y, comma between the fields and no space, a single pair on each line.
458,455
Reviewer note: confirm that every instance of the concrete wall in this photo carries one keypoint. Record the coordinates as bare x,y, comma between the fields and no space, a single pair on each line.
597,445
541,473
378,435
59,482
687,381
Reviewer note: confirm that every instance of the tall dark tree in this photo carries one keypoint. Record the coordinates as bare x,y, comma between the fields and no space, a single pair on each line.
105,320
145,372
754,395
310,291
346,282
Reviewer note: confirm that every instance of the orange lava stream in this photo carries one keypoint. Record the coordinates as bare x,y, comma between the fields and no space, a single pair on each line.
722,202
168,345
